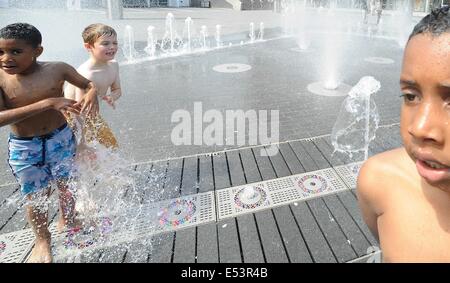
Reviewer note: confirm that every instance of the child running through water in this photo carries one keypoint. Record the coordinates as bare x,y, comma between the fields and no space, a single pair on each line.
101,42
404,194
41,146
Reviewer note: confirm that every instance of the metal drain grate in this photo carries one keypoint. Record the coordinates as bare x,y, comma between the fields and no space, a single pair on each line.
137,222
15,246
250,198
151,219
349,173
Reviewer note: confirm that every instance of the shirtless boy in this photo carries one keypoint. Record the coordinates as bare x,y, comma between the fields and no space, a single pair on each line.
404,194
101,42
41,145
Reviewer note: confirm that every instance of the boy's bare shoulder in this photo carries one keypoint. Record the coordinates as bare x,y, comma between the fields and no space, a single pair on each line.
384,173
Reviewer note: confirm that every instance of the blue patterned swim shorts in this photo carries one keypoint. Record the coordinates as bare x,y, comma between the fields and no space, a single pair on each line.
36,161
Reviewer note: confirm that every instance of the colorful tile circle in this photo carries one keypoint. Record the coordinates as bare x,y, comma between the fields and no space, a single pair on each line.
241,202
313,184
84,237
2,247
177,213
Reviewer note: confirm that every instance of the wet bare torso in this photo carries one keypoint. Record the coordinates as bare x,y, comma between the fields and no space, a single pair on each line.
415,223
104,77
45,82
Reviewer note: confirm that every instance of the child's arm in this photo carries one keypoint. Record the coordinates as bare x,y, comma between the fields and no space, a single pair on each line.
369,199
89,101
116,91
12,116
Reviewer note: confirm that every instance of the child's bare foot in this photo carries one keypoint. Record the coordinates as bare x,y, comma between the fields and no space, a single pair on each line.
41,252
63,224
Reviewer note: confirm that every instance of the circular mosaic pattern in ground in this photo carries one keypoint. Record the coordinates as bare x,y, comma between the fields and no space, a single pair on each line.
2,247
242,200
177,212
319,89
379,60
86,236
313,184
232,68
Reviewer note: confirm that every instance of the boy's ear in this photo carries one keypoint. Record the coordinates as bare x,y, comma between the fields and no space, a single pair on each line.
87,46
38,51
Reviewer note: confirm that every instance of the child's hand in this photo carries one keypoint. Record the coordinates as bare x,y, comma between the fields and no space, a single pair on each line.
110,100
63,104
89,104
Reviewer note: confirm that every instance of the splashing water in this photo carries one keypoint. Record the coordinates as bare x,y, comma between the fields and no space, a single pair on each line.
358,119
218,36
171,41
261,31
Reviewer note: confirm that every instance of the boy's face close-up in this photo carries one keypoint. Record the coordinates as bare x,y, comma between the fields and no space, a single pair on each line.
16,55
425,114
105,48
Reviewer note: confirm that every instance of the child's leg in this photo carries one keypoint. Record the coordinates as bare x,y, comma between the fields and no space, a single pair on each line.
37,216
66,206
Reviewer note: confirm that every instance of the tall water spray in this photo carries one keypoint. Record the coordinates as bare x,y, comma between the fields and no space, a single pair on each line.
218,36
204,35
358,119
261,31
171,41
187,33
150,49
129,41
252,32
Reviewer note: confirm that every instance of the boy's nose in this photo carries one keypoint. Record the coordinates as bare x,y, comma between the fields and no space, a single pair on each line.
427,124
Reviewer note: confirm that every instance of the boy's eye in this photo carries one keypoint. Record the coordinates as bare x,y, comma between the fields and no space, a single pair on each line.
408,97
16,52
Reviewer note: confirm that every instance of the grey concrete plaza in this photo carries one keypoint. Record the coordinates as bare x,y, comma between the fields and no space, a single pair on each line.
277,80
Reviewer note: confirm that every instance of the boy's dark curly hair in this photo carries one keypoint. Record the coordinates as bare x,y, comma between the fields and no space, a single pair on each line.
436,23
22,31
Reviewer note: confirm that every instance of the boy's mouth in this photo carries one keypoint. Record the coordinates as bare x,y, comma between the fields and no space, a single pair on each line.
432,171
9,68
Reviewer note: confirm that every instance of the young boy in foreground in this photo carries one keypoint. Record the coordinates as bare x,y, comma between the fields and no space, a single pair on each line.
41,145
404,194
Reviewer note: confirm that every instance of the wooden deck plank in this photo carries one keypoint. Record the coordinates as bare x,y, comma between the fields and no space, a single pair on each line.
172,186
206,183
292,237
270,237
279,165
351,230
302,155
221,176
250,239
333,159
318,246
291,159
154,189
236,170
207,247
138,250
350,203
185,241
135,195
246,225
189,183
162,248
251,171
113,254
264,165
7,192
228,238
315,154
333,233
